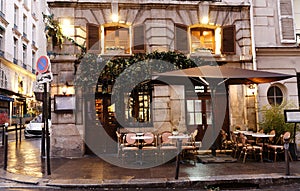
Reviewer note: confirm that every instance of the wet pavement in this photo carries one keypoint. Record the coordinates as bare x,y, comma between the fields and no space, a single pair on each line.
26,170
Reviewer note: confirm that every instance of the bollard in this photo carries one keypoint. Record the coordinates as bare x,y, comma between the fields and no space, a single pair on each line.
5,146
286,138
20,128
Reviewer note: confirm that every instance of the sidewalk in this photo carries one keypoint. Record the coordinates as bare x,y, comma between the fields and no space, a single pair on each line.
93,172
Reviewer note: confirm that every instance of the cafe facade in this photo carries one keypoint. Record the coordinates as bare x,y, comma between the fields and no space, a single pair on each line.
217,33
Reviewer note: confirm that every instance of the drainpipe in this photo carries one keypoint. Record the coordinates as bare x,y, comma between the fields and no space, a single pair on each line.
254,58
252,35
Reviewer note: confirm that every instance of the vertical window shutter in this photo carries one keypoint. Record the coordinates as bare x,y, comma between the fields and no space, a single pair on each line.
93,37
139,45
228,39
287,27
181,38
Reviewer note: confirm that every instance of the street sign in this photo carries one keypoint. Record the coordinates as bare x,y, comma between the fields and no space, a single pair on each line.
43,64
36,87
44,78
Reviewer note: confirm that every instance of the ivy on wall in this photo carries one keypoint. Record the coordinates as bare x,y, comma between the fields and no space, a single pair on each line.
94,69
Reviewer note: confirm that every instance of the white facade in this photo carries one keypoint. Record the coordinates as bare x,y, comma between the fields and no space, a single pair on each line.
23,41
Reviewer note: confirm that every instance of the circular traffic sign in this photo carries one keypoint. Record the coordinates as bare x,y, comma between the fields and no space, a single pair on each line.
42,64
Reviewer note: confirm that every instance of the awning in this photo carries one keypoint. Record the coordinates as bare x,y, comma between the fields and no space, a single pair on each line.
5,98
228,74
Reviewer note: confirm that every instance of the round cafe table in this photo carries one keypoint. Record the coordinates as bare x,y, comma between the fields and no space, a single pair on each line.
179,139
140,145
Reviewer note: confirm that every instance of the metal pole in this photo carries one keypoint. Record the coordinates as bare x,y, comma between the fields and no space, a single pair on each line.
16,132
5,146
44,119
3,135
179,142
20,134
47,129
286,156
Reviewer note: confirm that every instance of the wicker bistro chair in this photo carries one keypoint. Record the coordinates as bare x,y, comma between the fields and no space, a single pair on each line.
237,145
254,149
166,145
226,141
150,147
278,147
129,145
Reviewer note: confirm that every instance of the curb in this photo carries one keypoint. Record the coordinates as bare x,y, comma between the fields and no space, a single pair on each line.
19,178
184,182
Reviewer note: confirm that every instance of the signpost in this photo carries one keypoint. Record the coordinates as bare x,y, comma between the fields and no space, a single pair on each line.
44,76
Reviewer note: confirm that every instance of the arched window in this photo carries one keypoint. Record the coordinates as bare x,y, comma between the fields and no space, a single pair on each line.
275,96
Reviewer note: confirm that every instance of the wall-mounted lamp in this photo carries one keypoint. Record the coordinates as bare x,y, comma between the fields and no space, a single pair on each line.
204,12
114,12
251,89
65,88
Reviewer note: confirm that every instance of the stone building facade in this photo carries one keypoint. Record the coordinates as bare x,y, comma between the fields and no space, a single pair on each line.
215,31
276,33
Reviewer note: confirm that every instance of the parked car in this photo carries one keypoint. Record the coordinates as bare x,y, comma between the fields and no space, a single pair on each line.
34,127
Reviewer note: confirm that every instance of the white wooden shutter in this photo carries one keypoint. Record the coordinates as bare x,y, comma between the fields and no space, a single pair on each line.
286,21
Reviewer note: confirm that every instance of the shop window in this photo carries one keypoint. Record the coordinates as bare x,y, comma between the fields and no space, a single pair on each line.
138,105
116,40
275,96
194,112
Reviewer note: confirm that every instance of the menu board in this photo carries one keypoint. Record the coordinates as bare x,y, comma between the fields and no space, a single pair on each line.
64,103
292,116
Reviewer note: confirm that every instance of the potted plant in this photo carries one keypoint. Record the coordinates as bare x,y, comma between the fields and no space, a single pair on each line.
273,119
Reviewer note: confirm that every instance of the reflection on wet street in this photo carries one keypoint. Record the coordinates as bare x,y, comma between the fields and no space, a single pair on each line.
24,156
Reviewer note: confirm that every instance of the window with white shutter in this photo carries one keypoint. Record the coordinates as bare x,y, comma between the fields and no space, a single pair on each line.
286,21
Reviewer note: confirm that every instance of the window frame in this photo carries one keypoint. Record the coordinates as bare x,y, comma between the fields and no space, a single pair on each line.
116,29
274,96
131,105
281,17
201,30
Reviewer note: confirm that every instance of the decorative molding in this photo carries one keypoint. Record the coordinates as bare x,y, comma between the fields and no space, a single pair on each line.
3,20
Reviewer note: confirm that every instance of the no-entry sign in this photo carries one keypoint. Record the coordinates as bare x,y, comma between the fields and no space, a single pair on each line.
42,64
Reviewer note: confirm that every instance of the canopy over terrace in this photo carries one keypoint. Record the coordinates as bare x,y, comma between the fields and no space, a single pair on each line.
230,75
217,77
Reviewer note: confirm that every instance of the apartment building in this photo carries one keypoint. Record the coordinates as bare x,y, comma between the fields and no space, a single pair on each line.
22,41
216,31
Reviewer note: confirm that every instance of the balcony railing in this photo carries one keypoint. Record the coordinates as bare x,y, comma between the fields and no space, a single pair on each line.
24,66
15,61
1,53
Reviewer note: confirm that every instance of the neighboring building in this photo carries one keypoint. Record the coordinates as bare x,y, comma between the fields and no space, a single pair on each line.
192,27
277,37
22,41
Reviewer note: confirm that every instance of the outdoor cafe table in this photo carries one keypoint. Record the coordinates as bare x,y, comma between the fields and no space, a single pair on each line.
179,139
139,137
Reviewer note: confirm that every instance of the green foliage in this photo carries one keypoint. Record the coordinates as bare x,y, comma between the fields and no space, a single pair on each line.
273,118
54,31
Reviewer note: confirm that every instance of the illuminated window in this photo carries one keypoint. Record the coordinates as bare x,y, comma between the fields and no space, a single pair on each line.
138,105
116,40
202,39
